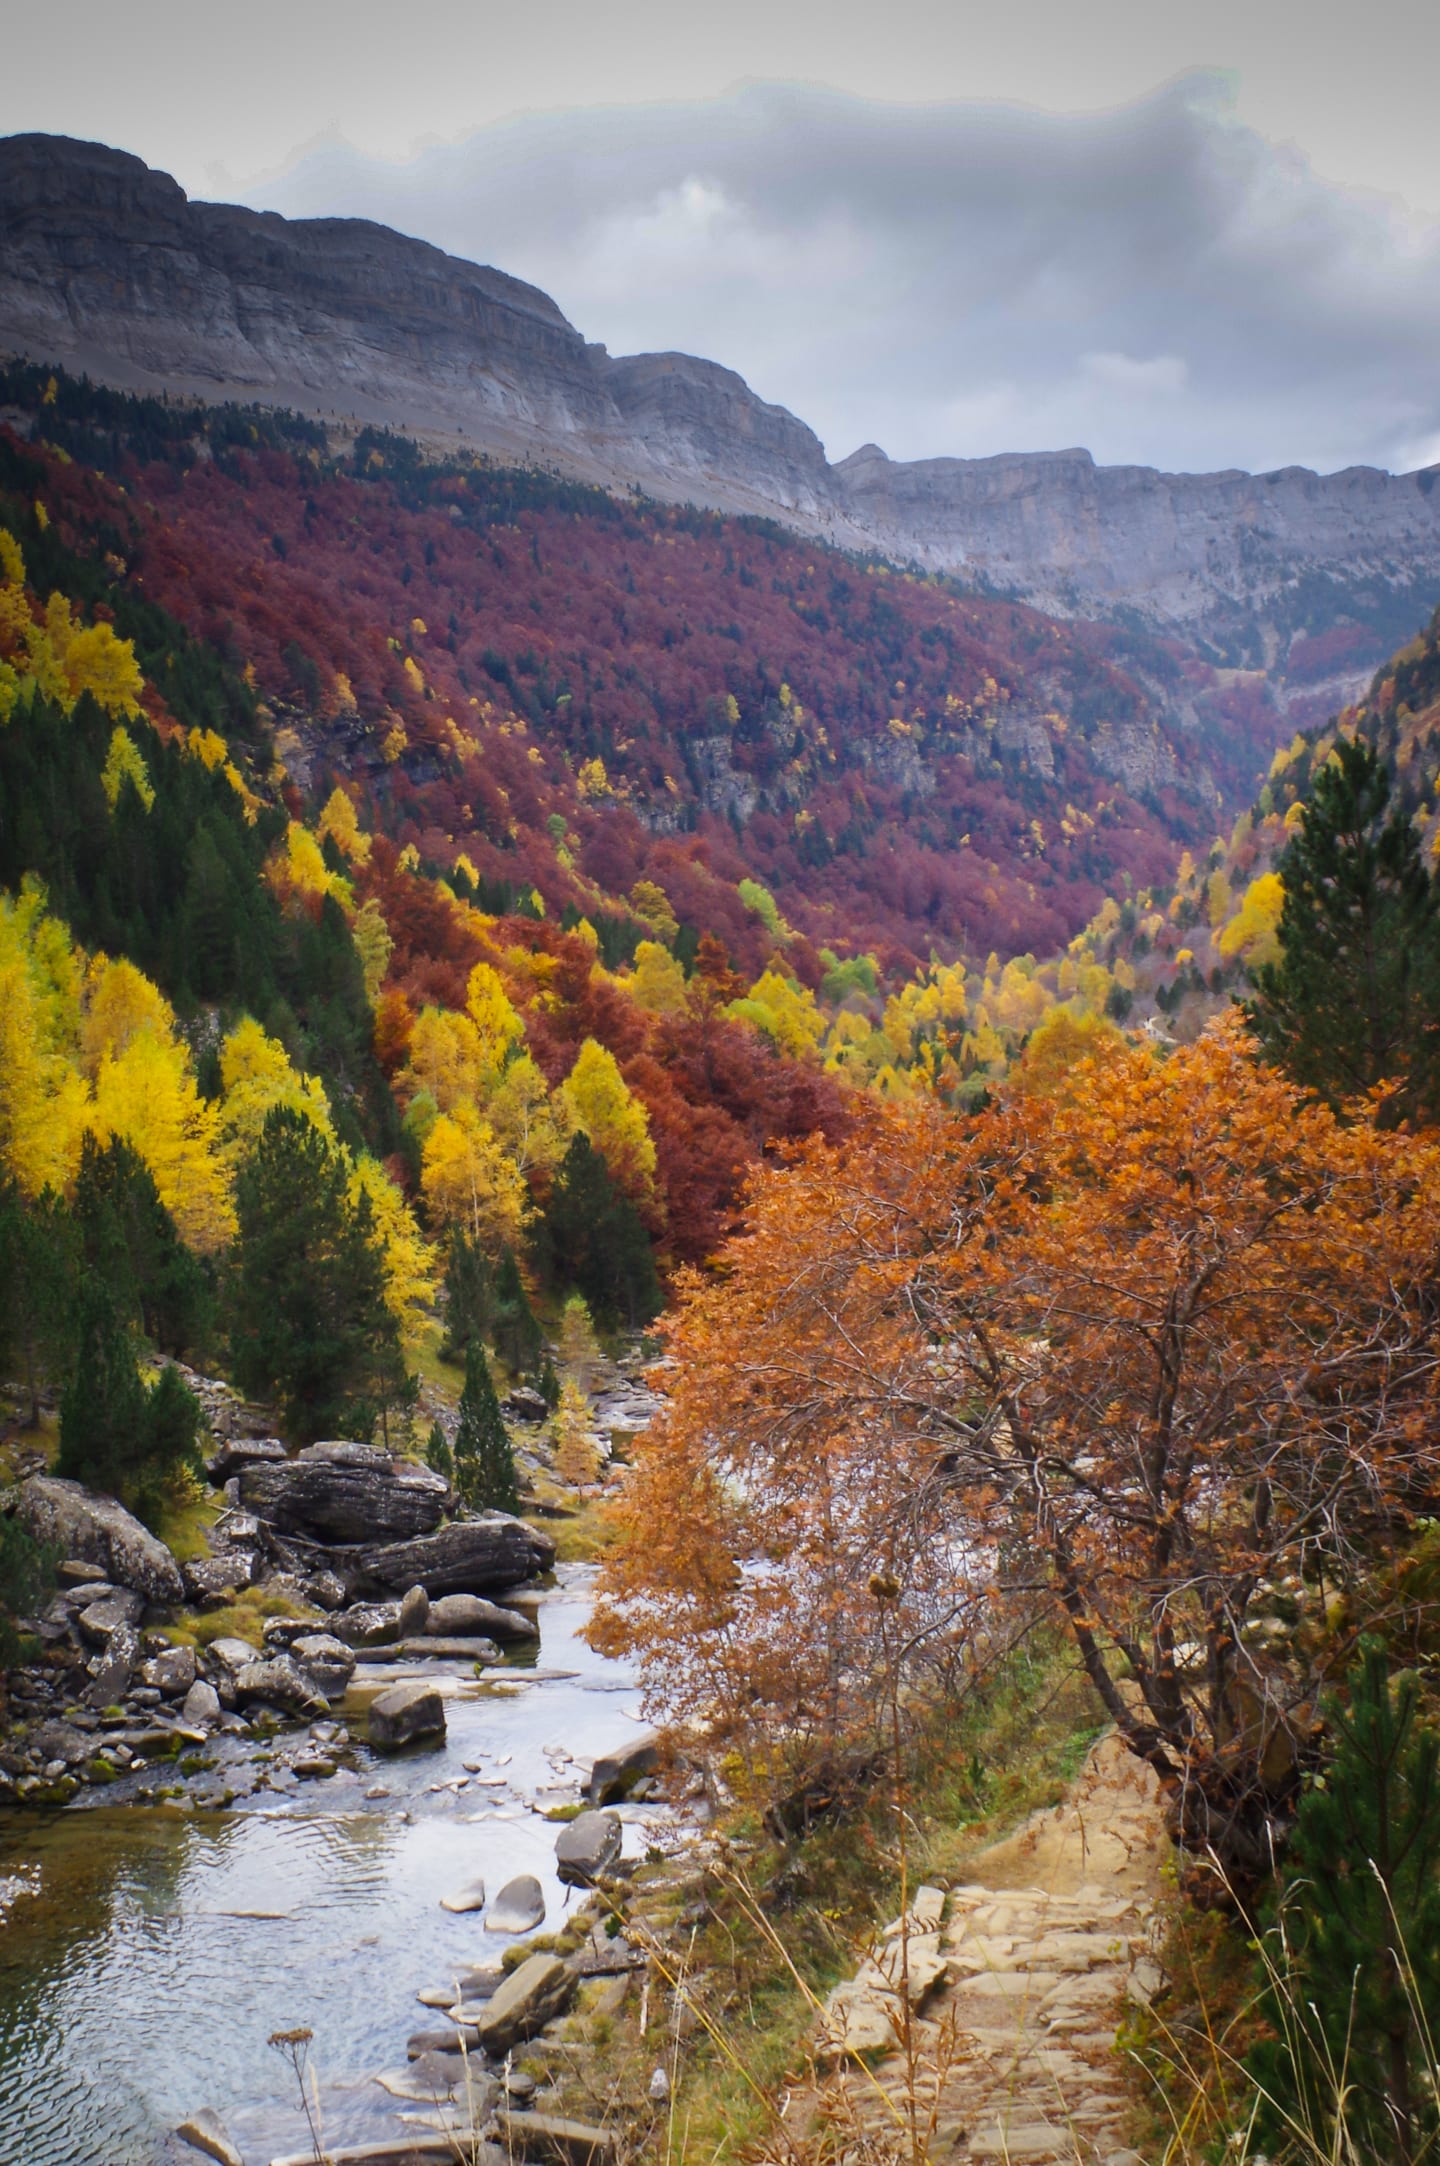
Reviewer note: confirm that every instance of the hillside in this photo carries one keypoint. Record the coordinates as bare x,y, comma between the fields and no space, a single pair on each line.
580,694
105,266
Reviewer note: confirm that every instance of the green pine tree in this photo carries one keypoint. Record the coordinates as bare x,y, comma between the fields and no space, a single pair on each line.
27,1574
484,1461
438,1455
518,1338
1355,997
115,1435
592,1239
308,1322
128,1239
37,1274
469,1295
1360,1913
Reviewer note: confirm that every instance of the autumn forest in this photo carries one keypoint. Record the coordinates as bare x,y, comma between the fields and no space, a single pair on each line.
455,923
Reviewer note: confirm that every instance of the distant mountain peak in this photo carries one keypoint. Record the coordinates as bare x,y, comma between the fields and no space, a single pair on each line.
107,266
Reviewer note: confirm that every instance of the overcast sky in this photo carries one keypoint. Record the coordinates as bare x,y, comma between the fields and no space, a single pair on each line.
1192,236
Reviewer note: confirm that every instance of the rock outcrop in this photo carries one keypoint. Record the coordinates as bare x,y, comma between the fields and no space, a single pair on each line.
344,1493
472,1556
97,1530
106,266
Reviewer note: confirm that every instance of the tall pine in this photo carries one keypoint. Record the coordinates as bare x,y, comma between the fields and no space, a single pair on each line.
517,1335
484,1461
1355,997
309,1326
592,1239
1361,1910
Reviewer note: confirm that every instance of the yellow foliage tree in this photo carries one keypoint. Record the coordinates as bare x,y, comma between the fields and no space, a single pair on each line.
123,764
600,1104
658,983
784,1011
373,945
339,822
410,1262
446,1058
1056,1047
120,1002
497,1026
469,1181
576,1458
1254,931
533,1127
147,1093
257,1074
43,1099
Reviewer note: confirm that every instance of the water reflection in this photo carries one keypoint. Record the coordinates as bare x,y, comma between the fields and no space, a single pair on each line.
146,1954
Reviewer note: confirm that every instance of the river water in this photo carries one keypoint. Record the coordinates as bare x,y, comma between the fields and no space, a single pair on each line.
148,1952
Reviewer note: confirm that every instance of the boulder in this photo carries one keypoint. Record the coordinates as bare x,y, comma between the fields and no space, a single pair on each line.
414,1612
519,1907
328,1660
172,1672
615,1775
239,1452
206,2132
202,1705
470,1897
367,1624
97,1530
115,1669
540,1989
232,1655
406,1712
100,1620
280,1683
524,1403
215,1579
587,1848
459,1616
474,1556
339,1493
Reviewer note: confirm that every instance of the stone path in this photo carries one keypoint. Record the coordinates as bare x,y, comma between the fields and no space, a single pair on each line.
1017,1981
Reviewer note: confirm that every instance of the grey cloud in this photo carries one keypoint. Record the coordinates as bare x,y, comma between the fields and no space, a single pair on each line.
1158,283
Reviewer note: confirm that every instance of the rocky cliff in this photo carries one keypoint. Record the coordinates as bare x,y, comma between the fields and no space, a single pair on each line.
105,265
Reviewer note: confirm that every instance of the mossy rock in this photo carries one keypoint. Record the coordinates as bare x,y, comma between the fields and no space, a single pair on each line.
102,1771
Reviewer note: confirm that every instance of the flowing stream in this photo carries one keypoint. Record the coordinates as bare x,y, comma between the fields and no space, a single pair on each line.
147,1953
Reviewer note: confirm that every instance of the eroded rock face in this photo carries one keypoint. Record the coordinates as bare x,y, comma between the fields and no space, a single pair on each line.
344,1493
105,265
97,1530
475,1556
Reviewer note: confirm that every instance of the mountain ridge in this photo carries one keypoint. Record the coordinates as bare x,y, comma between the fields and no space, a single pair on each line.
107,266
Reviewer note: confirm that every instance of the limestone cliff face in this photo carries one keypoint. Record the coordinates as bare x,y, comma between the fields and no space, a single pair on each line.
106,265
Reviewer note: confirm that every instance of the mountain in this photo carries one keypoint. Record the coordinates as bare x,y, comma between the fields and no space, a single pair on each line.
580,692
106,266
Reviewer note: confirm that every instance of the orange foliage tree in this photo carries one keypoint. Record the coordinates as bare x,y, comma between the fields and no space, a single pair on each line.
1132,1359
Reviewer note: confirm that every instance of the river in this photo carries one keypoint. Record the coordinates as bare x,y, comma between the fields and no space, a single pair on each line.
148,1952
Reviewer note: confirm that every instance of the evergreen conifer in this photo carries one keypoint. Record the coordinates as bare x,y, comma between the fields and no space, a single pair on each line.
517,1335
484,1461
592,1238
438,1455
1355,997
309,1324
469,1295
1360,1992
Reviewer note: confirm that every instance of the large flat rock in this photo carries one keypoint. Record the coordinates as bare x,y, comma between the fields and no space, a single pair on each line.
474,1556
344,1493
